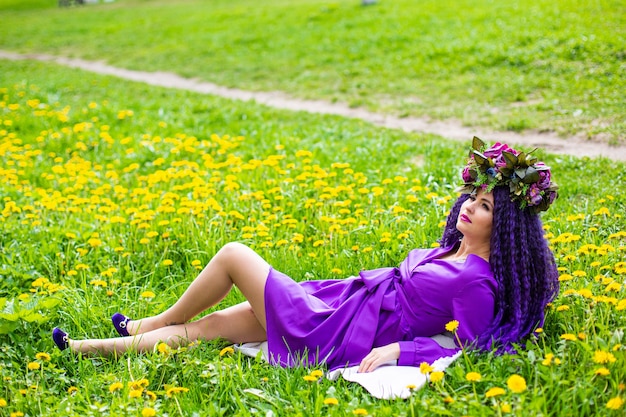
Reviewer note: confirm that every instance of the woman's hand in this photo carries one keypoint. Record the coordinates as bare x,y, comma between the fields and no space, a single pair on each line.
378,356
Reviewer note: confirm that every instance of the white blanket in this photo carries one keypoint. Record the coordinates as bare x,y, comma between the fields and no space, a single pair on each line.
388,381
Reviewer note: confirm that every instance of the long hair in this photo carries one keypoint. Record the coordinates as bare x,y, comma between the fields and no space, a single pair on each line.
523,266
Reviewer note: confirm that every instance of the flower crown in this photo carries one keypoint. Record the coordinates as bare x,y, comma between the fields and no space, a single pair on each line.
529,181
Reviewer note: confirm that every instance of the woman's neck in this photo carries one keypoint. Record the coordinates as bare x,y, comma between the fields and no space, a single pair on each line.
466,249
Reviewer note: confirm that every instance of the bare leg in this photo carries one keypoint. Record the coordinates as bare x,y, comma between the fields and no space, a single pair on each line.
234,264
237,324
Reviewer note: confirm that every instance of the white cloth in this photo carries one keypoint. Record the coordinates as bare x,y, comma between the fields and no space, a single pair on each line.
388,381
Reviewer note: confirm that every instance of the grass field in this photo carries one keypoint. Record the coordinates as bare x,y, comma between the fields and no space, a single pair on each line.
509,65
114,194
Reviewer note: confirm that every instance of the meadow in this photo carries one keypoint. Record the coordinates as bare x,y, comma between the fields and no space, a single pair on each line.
548,65
115,194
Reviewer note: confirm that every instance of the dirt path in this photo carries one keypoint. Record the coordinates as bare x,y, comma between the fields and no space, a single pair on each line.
448,129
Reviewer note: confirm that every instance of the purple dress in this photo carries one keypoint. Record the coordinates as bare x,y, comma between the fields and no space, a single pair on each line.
338,322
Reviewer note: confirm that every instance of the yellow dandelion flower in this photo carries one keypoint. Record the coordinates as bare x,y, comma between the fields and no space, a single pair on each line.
148,294
151,395
562,308
602,371
33,366
426,368
168,262
539,330
436,376
494,392
116,386
175,390
331,401
451,326
317,373
318,243
360,412
615,403
516,383
42,356
3,402
72,390
136,393
148,412
227,350
448,400
601,356
473,376
568,336
309,378
163,348
506,408
15,413
548,359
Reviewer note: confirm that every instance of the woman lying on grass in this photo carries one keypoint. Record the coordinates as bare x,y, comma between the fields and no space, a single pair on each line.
493,273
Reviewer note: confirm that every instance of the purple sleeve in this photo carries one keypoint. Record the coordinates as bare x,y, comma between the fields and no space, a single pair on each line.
472,307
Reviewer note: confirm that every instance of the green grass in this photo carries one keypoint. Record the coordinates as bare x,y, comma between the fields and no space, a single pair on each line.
509,65
91,165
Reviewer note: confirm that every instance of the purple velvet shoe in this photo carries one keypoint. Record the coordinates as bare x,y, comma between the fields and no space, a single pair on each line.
120,322
60,338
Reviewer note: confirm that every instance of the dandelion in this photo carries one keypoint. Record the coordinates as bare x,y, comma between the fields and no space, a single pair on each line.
473,376
317,373
72,390
568,336
94,242
135,393
42,356
17,414
148,294
426,368
615,403
3,402
168,262
116,386
331,401
448,400
309,378
33,366
163,348
175,390
602,371
436,376
227,350
451,326
138,385
360,412
506,408
148,412
601,356
516,383
494,392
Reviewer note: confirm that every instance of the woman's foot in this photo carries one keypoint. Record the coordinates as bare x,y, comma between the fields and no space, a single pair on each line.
120,322
60,338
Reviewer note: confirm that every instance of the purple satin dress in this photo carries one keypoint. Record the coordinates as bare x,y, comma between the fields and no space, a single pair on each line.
338,322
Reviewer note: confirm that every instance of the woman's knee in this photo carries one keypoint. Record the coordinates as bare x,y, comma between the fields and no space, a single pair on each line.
233,250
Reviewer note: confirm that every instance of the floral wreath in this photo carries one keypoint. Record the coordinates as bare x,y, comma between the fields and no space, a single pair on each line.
529,181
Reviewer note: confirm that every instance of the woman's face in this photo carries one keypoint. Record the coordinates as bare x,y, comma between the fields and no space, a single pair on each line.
476,217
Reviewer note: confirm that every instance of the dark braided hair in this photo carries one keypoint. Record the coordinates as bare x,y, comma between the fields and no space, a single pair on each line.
523,266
